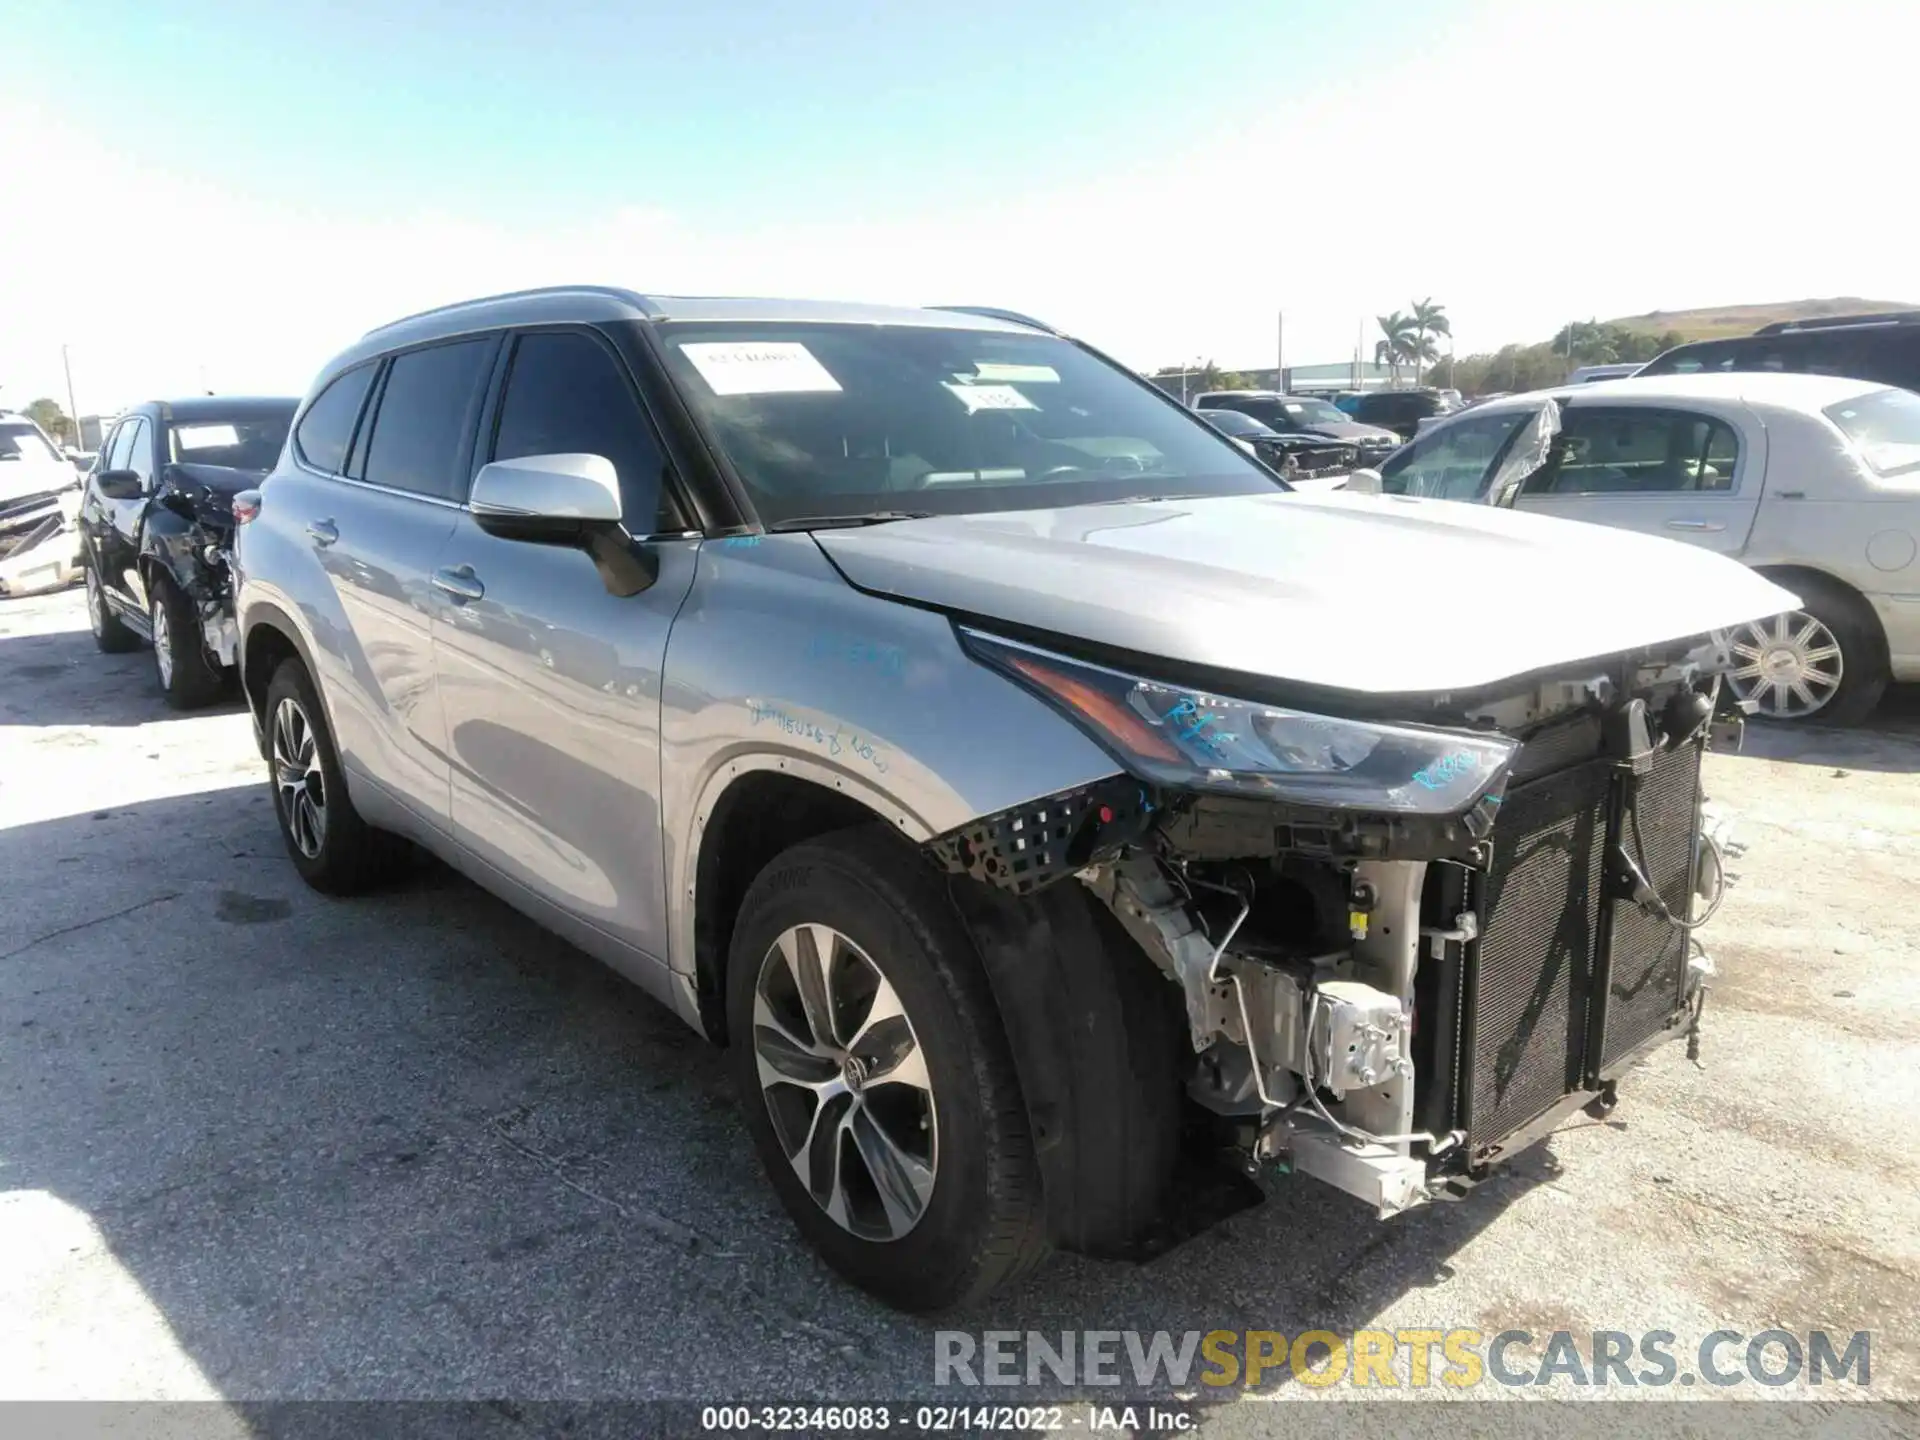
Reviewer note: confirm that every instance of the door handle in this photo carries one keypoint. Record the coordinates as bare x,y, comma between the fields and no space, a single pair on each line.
459,583
1695,525
323,532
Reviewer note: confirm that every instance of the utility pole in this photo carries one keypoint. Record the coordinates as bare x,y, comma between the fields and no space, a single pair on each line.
1280,353
73,410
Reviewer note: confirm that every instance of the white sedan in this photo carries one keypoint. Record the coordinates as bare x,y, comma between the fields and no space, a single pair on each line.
1812,479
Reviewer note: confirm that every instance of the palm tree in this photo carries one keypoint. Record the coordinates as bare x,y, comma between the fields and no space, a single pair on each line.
1396,329
1429,319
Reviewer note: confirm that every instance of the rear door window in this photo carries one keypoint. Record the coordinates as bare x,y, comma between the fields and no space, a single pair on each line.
567,394
1638,450
325,429
428,410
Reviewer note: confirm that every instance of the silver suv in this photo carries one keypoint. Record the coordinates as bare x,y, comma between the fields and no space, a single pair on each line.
1015,775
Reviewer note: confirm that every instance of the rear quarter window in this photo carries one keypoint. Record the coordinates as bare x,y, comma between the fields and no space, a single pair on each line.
1885,428
323,434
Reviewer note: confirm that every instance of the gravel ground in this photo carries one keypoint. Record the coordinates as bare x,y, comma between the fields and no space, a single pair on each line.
255,1144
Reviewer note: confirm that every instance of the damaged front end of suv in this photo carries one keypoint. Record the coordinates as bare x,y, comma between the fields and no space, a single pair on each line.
1408,939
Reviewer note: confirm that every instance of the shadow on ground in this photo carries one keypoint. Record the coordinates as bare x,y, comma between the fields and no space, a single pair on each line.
412,1146
61,677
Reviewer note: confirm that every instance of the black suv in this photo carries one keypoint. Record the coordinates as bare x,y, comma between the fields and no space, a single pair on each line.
1882,348
1400,411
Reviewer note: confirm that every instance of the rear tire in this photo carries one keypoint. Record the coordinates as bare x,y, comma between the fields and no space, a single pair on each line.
188,676
1823,664
109,634
335,851
974,1212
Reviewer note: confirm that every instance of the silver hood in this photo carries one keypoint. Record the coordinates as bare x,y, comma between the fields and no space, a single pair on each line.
1373,594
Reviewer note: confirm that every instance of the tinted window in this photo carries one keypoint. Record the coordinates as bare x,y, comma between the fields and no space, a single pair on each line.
427,410
328,424
1233,422
116,451
140,452
567,394
1888,355
1886,428
836,420
1637,451
1268,412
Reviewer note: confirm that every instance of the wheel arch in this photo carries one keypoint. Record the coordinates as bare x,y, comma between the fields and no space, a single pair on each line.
1795,578
271,636
756,807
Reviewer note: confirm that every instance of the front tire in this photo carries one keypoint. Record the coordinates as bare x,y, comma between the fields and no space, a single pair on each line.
335,851
1824,664
187,674
875,1076
109,634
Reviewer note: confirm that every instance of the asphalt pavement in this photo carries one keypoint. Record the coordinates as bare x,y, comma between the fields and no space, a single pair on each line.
258,1144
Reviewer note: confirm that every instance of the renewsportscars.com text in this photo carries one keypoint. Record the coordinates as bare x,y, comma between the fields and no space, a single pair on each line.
1458,1359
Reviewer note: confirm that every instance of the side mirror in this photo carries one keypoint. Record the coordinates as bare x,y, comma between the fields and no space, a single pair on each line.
1363,482
546,497
119,484
564,500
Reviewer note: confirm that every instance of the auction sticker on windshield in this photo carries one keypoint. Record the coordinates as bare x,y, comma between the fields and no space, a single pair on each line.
771,367
1024,374
991,397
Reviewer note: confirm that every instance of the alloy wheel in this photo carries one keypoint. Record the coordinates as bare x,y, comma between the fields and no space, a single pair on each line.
845,1082
96,604
162,644
1790,666
298,780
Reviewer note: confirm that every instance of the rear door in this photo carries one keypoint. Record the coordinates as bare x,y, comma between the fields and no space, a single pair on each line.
376,527
550,684
1662,468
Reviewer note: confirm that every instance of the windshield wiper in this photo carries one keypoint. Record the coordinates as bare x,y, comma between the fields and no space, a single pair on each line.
840,522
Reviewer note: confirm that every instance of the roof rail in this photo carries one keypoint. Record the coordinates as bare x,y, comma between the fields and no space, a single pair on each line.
610,292
1840,322
992,312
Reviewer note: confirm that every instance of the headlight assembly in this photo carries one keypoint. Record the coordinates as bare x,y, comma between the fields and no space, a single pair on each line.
1177,736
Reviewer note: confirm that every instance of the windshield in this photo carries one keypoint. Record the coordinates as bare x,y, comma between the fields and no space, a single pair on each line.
244,442
1452,463
1885,426
1232,422
22,441
1314,412
826,420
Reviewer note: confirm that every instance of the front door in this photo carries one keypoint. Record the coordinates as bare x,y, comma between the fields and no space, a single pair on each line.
116,534
551,684
1659,469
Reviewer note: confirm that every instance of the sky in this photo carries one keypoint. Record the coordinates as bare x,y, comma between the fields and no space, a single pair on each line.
220,196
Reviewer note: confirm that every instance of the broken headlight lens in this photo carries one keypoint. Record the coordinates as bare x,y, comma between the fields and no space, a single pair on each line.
1178,736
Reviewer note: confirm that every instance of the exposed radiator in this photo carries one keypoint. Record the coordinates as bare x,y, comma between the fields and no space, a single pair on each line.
1527,985
1569,977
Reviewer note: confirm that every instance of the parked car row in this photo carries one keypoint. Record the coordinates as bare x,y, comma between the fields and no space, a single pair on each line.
1036,792
1813,480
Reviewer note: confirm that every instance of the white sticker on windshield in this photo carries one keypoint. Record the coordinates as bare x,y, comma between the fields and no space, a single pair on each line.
1020,374
991,397
771,367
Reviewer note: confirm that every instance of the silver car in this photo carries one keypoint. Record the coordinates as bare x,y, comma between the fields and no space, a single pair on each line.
1012,773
